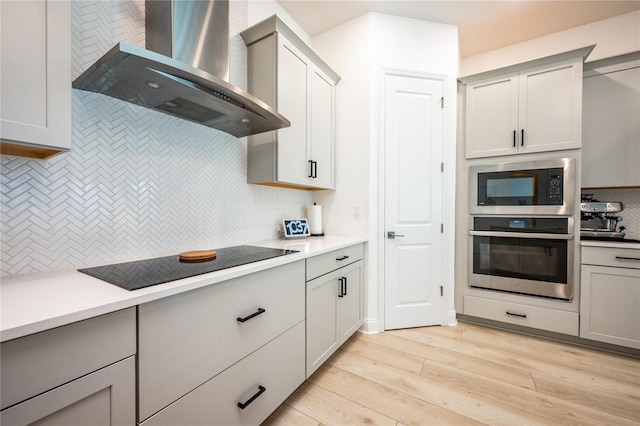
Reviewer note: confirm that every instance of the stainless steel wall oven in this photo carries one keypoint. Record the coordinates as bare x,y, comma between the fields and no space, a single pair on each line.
525,255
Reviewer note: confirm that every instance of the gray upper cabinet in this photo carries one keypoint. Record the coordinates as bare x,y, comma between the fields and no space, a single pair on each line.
35,118
289,76
526,108
611,124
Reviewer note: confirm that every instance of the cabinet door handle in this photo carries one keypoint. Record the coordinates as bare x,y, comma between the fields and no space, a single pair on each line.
632,259
513,314
344,280
514,138
253,315
261,390
310,169
522,137
342,258
341,293
314,167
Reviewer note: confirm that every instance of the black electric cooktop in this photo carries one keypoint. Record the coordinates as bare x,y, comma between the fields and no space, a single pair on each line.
145,273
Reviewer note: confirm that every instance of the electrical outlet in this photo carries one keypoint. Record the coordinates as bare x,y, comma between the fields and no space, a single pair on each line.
357,212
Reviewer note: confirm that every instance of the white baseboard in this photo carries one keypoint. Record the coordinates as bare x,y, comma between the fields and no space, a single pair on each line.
451,318
370,326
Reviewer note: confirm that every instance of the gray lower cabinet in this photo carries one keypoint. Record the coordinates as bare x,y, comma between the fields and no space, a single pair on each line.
610,296
229,353
517,313
194,345
334,302
79,374
102,398
247,392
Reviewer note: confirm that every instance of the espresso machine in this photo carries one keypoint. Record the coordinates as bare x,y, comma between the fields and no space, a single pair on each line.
599,219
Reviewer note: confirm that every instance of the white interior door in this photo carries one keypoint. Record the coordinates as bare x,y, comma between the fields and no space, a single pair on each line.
413,136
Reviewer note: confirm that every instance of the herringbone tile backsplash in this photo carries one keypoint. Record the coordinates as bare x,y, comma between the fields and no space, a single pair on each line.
137,183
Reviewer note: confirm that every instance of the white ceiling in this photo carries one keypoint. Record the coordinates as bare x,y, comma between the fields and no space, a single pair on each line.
482,25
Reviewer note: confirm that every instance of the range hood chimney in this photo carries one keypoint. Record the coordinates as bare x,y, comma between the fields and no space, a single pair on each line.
184,71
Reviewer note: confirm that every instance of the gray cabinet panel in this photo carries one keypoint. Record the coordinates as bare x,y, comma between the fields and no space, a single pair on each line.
187,339
34,364
105,397
611,127
290,76
334,306
278,367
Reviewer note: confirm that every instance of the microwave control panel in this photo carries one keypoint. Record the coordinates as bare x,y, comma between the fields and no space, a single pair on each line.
555,187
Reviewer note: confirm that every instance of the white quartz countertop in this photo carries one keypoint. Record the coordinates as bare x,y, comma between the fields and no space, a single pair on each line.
612,244
31,303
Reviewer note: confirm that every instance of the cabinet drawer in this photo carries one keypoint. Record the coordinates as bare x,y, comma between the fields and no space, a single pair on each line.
34,364
325,263
278,367
104,397
611,256
185,340
525,315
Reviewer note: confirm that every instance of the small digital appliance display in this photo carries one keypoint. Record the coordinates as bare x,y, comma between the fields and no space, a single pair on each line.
295,228
516,223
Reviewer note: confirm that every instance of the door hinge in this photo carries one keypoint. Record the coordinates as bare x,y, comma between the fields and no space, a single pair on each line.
442,228
441,291
442,102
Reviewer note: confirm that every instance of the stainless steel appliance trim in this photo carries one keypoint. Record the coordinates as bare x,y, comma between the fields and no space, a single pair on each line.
568,186
523,235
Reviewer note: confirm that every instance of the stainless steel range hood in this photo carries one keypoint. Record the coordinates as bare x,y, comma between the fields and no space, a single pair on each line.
183,71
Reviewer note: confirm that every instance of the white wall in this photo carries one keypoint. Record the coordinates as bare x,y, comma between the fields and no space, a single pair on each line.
346,49
612,37
360,51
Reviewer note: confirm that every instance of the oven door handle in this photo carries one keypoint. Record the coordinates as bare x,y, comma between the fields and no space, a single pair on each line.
540,236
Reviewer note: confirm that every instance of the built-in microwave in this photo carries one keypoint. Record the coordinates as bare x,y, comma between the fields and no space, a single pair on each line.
533,187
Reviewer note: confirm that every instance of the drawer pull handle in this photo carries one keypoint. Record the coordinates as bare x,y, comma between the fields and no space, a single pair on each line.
342,258
513,314
253,315
632,259
261,389
343,287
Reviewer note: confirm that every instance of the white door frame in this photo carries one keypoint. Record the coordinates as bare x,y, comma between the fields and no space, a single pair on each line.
449,158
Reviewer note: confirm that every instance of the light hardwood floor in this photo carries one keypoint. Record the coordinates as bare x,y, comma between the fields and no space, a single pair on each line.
466,375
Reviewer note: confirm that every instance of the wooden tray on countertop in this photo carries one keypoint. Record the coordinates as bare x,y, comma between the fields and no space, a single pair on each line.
198,256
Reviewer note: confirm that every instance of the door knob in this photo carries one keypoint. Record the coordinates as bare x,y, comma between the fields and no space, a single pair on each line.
392,235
